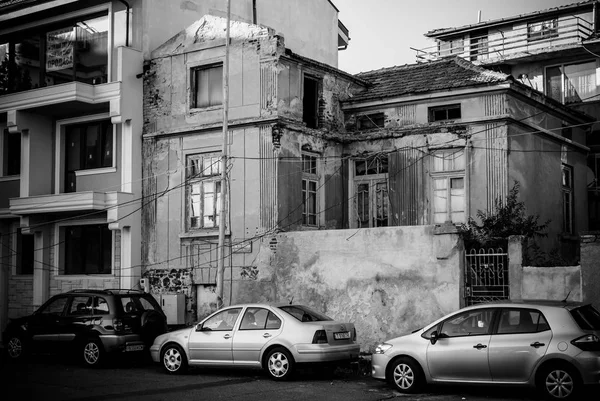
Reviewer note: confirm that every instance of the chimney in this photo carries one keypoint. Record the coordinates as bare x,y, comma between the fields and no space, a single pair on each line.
479,16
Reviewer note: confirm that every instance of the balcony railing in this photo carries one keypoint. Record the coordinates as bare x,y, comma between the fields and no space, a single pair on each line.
500,44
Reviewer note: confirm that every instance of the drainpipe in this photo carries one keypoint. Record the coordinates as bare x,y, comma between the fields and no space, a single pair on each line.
254,16
126,23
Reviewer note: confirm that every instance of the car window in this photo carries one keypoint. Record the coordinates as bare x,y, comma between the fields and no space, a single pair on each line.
521,321
100,306
132,304
273,322
304,313
254,319
587,317
470,323
222,321
54,307
80,305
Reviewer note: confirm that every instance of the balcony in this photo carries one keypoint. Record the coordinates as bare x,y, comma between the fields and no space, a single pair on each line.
69,202
511,42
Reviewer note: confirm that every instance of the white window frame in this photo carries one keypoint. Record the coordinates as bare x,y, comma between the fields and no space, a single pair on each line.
60,150
448,175
562,78
371,180
307,178
59,269
216,177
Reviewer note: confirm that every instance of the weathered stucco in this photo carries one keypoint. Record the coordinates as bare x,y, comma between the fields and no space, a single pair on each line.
389,281
552,283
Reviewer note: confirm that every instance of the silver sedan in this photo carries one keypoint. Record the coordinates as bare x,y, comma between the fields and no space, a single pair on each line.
549,344
274,338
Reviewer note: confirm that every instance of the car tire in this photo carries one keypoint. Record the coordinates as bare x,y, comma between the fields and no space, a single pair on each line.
173,359
279,364
559,382
16,348
406,375
92,352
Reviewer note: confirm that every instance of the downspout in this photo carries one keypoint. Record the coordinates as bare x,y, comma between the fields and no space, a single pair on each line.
254,16
126,22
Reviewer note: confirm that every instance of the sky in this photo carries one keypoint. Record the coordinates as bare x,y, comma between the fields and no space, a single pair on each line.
382,32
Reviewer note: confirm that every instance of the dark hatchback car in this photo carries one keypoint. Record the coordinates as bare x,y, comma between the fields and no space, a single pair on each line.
87,324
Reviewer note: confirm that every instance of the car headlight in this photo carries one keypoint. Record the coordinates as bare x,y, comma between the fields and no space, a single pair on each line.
382,348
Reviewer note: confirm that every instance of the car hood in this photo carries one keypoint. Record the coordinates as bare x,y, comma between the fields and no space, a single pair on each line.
18,322
182,334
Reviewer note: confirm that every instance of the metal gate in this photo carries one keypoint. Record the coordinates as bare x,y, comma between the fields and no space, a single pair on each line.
486,275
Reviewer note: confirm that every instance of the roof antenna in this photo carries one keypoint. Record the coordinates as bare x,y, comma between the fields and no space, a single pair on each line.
291,300
565,300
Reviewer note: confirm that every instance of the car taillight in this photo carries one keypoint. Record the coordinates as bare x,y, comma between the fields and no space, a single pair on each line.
354,334
320,337
589,342
118,324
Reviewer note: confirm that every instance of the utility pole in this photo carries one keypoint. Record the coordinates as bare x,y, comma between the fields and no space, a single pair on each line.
223,194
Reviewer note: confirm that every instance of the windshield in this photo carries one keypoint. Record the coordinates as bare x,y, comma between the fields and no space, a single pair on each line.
587,317
304,314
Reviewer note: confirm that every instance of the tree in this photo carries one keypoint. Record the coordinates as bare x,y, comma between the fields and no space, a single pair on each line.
509,217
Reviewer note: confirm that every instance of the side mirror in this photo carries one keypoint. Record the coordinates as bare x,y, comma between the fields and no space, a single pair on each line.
199,327
434,337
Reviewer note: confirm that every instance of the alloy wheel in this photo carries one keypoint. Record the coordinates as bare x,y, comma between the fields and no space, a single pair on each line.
15,347
91,353
172,359
559,384
404,376
278,364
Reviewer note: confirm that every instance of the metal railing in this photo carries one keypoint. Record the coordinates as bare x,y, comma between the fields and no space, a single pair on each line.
486,275
498,45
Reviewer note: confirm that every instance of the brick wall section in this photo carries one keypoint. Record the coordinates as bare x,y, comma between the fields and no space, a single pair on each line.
590,267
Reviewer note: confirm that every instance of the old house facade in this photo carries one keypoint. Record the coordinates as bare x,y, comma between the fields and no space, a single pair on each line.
554,51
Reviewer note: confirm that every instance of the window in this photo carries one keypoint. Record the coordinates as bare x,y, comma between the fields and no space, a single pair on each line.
479,45
88,146
567,195
542,30
80,305
75,50
203,182
450,47
443,113
471,323
259,319
572,83
370,121
310,102
521,321
310,184
222,321
448,182
87,249
55,306
371,191
207,84
25,253
11,153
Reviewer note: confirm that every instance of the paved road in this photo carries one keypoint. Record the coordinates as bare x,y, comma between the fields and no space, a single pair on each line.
49,380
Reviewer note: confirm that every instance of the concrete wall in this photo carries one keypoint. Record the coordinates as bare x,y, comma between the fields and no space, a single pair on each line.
555,283
388,281
590,267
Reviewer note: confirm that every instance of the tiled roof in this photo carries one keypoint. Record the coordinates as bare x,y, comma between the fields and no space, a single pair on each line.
445,74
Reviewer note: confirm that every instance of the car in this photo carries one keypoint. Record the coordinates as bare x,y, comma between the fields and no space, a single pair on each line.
89,324
273,337
551,345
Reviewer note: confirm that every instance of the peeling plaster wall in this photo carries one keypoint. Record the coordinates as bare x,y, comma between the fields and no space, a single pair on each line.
389,281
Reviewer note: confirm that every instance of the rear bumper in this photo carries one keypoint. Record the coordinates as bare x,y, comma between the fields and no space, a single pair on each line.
589,367
122,343
314,353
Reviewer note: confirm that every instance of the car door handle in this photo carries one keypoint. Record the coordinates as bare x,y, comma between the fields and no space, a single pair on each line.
266,335
537,344
480,346
227,336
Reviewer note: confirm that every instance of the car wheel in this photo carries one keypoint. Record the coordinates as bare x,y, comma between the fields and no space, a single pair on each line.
280,364
559,382
15,348
92,352
173,359
405,375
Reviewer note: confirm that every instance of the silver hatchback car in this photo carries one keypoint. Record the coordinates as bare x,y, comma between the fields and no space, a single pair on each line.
549,344
271,337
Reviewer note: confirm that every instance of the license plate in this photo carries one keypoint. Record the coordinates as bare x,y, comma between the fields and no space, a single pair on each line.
139,347
341,336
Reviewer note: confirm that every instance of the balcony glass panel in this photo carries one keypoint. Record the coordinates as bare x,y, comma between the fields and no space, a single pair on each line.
76,50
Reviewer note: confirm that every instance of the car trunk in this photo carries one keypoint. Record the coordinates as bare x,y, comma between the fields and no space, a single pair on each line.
337,333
